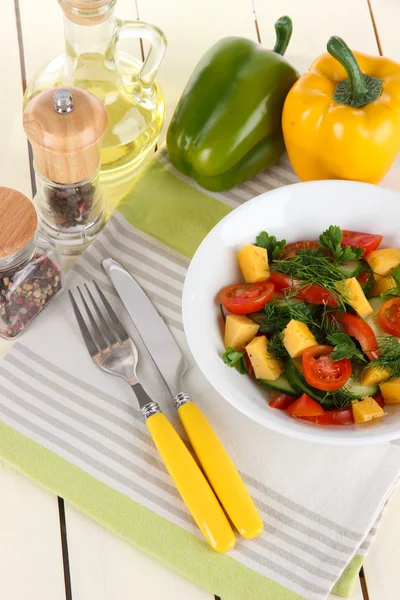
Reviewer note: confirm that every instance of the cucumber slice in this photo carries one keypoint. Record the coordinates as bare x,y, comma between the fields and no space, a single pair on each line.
376,302
359,391
258,317
351,268
297,381
279,385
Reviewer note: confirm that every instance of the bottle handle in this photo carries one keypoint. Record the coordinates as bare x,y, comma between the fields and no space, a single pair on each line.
158,45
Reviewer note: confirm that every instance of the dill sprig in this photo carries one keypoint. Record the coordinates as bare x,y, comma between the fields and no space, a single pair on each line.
276,347
392,293
279,313
329,323
338,399
312,266
390,355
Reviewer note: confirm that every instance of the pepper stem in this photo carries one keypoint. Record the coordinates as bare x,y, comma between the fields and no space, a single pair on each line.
358,89
283,30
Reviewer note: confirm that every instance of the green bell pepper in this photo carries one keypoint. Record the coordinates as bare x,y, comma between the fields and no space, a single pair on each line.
227,124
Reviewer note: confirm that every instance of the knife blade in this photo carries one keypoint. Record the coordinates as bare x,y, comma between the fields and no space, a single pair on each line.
151,327
217,465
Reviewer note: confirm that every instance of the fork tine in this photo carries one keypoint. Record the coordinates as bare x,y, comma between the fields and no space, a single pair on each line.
109,332
99,338
87,337
118,327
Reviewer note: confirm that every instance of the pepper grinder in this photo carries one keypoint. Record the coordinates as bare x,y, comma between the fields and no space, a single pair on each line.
65,127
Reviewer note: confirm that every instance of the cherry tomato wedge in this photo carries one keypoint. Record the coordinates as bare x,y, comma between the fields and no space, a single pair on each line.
366,280
333,417
389,316
314,294
244,298
322,372
356,327
305,407
368,241
283,401
380,400
295,247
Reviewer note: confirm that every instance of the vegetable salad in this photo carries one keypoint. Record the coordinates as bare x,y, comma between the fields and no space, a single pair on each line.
318,323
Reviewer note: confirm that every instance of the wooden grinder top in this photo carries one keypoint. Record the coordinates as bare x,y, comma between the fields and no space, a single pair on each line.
18,221
87,12
65,133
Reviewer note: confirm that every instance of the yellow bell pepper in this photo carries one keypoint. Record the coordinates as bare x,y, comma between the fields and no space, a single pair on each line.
341,119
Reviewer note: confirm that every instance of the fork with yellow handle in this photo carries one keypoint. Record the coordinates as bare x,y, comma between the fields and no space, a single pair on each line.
213,458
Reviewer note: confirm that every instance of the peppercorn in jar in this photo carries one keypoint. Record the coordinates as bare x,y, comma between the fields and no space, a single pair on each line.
65,128
30,274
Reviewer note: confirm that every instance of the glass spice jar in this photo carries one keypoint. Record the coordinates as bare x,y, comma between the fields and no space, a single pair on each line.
65,128
30,273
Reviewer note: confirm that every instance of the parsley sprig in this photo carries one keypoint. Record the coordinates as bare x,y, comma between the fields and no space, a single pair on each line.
344,347
233,358
331,240
271,244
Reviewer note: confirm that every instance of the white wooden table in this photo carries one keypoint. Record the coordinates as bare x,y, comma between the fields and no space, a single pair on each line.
48,549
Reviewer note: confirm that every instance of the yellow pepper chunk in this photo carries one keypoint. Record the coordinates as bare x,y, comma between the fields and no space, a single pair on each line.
239,331
355,296
390,391
374,375
297,337
383,285
383,261
253,263
265,365
366,409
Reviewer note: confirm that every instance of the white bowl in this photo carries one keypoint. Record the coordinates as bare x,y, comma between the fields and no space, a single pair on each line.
295,212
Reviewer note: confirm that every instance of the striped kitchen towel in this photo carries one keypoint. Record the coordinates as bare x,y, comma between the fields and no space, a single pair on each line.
78,431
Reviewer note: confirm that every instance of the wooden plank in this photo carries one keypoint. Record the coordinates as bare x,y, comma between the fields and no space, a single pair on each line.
104,566
314,22
30,549
386,14
382,562
191,28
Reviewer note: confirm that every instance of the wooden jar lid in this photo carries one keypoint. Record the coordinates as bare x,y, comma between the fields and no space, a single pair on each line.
66,145
18,221
87,12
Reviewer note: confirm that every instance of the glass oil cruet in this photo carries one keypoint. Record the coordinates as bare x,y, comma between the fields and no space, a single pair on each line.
133,98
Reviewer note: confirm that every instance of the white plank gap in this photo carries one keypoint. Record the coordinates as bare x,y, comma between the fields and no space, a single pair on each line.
30,544
106,567
387,15
314,21
382,561
192,27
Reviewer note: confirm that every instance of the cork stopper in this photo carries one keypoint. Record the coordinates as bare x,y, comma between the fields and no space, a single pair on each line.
18,221
87,12
65,127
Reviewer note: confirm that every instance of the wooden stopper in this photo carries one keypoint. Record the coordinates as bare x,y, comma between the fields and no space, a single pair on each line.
65,133
87,12
18,221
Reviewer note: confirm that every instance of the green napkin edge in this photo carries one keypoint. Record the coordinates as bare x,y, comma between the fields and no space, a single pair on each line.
172,201
217,573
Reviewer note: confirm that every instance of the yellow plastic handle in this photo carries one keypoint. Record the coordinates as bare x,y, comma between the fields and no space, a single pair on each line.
191,484
221,472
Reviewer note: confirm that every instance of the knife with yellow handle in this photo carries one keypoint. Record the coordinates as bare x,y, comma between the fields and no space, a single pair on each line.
190,482
218,467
